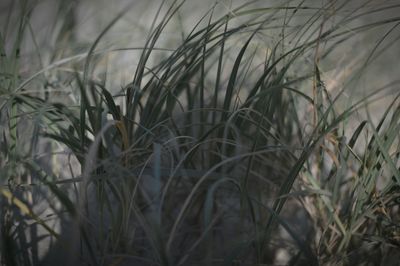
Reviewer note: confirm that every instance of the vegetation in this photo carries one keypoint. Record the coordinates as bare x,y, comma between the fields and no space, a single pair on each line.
237,146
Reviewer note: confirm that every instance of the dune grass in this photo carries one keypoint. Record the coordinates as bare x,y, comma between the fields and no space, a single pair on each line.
230,148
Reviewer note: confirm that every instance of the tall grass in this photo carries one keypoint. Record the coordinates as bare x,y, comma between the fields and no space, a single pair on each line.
231,148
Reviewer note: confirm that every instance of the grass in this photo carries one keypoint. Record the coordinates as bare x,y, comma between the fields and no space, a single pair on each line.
230,148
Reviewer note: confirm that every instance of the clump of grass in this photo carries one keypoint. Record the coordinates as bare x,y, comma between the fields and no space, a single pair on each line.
228,149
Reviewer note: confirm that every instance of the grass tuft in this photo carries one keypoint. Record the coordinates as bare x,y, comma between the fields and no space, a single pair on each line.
257,137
